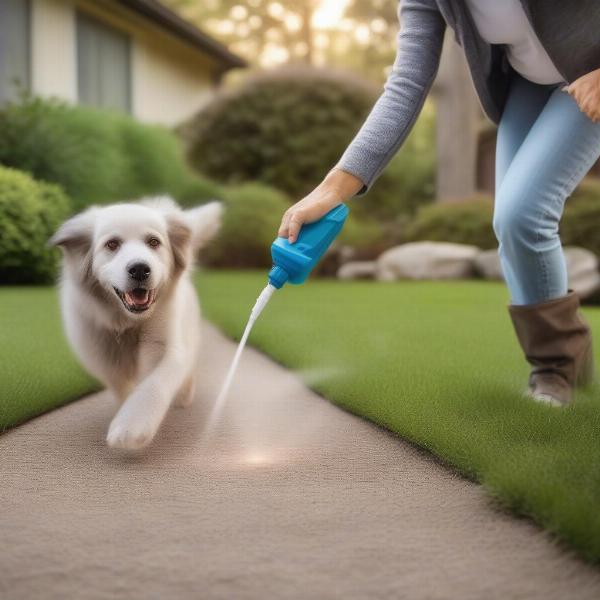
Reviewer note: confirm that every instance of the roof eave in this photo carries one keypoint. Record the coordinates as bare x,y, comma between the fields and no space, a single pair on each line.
169,20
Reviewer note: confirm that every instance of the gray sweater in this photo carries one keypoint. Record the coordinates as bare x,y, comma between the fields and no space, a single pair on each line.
568,30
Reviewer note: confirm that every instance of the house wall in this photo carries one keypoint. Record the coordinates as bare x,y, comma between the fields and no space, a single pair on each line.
170,79
53,50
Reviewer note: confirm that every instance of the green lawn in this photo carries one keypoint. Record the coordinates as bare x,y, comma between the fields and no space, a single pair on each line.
37,370
435,362
438,364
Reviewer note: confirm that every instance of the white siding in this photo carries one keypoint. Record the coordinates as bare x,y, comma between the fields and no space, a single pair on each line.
53,55
168,84
170,79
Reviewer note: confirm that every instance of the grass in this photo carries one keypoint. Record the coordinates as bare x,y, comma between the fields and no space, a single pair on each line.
438,364
37,370
435,362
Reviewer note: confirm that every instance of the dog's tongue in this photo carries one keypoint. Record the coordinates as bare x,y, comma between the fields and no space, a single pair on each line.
138,297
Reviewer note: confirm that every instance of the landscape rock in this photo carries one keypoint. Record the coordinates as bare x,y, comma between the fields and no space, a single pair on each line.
582,267
360,269
427,260
487,265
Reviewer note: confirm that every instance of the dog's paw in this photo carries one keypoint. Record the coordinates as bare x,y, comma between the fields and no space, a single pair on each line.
130,434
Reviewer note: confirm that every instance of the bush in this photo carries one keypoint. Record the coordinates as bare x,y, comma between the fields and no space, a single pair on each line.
285,128
198,190
465,222
252,215
96,156
470,221
30,212
580,225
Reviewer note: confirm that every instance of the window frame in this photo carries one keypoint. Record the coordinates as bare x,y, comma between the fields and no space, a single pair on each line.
28,75
85,17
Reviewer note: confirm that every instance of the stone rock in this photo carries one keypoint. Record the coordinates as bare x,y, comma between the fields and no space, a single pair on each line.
335,256
487,265
359,269
582,267
427,260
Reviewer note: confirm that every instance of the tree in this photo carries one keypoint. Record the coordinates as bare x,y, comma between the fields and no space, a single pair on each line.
355,34
458,119
267,31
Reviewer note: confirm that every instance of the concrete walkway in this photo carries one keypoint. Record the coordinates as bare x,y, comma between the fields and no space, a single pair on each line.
289,497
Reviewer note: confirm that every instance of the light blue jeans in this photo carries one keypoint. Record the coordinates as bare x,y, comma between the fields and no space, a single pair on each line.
544,148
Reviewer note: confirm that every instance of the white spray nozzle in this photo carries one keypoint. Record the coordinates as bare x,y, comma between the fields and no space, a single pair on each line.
261,301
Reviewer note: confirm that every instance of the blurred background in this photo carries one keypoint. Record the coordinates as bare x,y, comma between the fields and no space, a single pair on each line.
249,101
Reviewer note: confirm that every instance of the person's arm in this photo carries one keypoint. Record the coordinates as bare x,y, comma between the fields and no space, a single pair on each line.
389,123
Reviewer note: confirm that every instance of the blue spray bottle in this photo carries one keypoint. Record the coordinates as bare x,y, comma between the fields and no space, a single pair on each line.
293,263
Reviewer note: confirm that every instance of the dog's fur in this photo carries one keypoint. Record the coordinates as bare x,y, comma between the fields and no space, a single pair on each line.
142,344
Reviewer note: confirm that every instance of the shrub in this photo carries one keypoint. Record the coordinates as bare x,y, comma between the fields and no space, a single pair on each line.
155,161
96,156
285,128
465,222
30,212
470,221
198,190
580,225
361,234
252,215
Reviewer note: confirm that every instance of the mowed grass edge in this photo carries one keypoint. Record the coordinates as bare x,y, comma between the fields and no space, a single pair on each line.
438,364
38,371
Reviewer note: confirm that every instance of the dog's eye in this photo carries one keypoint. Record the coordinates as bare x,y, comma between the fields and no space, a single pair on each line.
113,245
154,242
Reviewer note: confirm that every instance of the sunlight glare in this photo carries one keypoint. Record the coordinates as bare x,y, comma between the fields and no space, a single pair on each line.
329,14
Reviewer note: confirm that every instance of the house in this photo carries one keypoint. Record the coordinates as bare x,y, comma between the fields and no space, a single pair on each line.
132,55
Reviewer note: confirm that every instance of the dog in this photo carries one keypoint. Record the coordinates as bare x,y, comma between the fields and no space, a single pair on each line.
129,308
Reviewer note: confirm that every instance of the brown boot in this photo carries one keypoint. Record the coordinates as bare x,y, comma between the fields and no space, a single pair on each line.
557,343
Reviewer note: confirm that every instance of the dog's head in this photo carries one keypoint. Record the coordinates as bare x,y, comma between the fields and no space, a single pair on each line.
130,255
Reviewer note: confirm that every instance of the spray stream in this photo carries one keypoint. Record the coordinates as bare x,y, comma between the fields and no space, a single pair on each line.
291,263
260,304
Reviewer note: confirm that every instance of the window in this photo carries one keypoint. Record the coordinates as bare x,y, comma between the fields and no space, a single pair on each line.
14,48
103,65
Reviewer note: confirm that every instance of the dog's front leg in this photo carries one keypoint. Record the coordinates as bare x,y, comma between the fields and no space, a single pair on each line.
138,420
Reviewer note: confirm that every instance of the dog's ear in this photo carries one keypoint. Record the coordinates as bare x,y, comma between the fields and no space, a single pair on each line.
180,236
75,234
204,222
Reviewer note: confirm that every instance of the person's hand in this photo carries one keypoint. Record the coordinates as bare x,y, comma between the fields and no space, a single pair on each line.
335,188
586,92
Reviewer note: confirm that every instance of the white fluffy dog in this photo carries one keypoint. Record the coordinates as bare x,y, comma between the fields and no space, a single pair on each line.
129,308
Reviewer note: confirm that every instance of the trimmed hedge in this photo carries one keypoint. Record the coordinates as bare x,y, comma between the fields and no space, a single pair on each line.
288,127
199,190
465,222
30,212
580,225
252,215
96,156
470,221
285,127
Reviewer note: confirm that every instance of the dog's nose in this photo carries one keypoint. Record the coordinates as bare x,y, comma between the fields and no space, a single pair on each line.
139,271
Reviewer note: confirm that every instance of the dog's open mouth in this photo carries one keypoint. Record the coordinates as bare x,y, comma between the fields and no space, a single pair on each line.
137,300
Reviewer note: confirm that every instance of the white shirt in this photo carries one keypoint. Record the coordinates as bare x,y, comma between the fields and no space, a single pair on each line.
505,22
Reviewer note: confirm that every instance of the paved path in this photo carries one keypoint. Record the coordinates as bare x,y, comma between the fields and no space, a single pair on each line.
289,498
